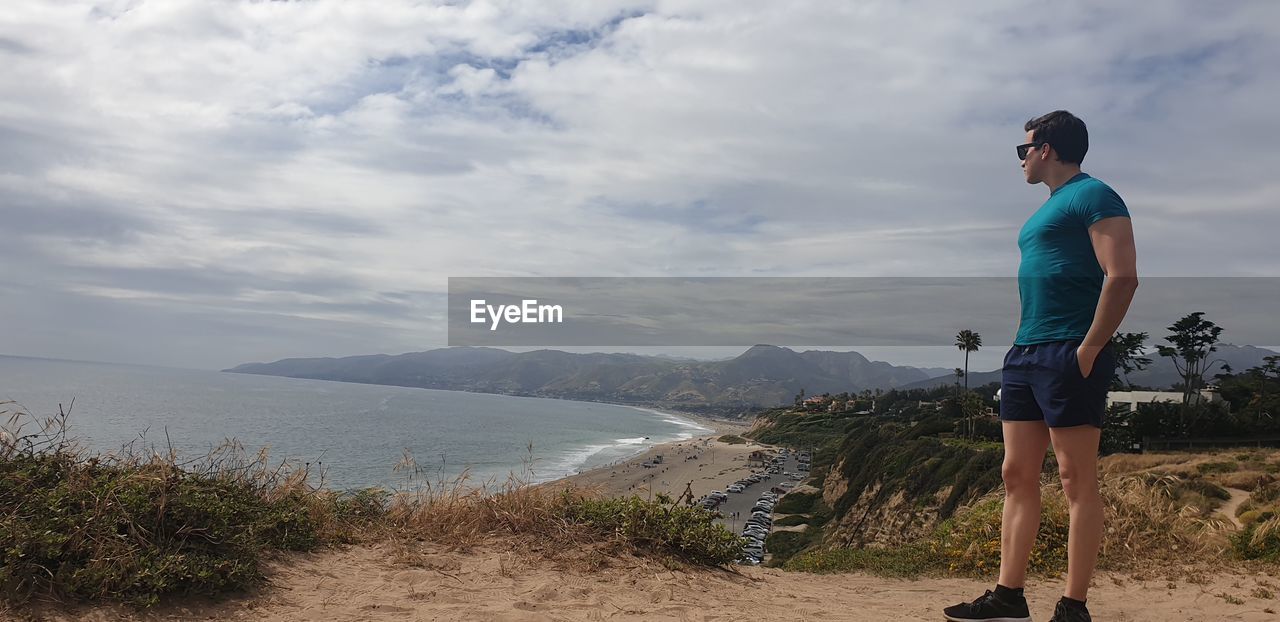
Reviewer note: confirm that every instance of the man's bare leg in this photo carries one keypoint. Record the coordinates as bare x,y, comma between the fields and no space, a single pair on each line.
1077,451
1025,443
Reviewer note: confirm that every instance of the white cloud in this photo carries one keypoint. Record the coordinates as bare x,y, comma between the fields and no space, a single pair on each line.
390,145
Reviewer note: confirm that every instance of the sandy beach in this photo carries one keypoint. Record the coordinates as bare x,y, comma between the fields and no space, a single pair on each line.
702,462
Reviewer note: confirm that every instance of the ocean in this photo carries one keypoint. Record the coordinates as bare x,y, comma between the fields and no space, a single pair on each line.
355,433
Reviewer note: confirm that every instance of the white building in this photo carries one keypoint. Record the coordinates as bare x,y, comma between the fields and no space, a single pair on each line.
1208,394
1133,398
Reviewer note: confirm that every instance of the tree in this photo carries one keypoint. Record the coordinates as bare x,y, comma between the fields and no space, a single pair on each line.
1128,349
1269,369
959,374
968,341
1193,339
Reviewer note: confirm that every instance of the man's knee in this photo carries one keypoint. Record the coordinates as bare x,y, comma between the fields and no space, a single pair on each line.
1077,484
1020,478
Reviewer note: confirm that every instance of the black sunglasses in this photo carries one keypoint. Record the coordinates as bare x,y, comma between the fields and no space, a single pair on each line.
1023,149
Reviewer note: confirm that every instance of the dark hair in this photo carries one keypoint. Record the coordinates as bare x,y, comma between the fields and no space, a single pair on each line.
1065,131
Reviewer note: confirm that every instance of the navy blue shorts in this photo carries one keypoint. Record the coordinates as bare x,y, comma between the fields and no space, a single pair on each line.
1042,382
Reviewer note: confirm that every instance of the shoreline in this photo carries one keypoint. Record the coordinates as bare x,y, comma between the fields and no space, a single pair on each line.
706,427
700,464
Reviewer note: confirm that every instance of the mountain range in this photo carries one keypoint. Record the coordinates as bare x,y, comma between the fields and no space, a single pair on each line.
764,376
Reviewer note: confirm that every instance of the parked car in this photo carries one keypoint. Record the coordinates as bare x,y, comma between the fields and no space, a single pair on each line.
787,484
736,488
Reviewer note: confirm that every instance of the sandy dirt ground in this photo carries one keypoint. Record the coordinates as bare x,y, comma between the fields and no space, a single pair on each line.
496,584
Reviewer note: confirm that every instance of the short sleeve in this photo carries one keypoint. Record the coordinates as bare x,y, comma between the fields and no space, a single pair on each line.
1096,202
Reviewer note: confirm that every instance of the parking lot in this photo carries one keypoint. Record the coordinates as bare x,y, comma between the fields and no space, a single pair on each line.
737,507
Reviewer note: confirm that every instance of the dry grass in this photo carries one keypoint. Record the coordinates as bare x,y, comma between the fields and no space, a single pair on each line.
1244,480
1152,521
1132,463
1233,468
1156,518
456,511
138,525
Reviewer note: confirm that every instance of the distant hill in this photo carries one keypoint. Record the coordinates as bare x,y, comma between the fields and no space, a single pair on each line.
1161,374
763,376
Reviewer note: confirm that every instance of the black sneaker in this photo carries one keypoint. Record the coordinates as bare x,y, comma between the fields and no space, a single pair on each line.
988,608
1064,613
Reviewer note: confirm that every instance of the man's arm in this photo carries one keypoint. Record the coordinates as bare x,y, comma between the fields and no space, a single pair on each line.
1113,245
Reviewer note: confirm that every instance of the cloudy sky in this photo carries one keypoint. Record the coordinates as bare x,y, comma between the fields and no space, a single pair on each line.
200,184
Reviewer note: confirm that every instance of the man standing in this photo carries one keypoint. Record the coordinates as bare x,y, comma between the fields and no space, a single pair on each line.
1056,375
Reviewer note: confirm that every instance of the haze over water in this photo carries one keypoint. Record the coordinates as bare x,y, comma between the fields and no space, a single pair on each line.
358,432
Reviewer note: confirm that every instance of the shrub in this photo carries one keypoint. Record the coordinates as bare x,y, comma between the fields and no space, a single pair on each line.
969,543
1258,540
732,439
797,503
134,530
785,544
1224,466
1260,506
687,532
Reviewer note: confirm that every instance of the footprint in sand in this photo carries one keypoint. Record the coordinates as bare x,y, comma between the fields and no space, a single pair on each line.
386,608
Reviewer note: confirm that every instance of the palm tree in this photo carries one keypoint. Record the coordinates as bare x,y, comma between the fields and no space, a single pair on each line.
968,341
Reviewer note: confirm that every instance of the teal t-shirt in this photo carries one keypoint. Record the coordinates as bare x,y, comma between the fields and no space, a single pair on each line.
1059,278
